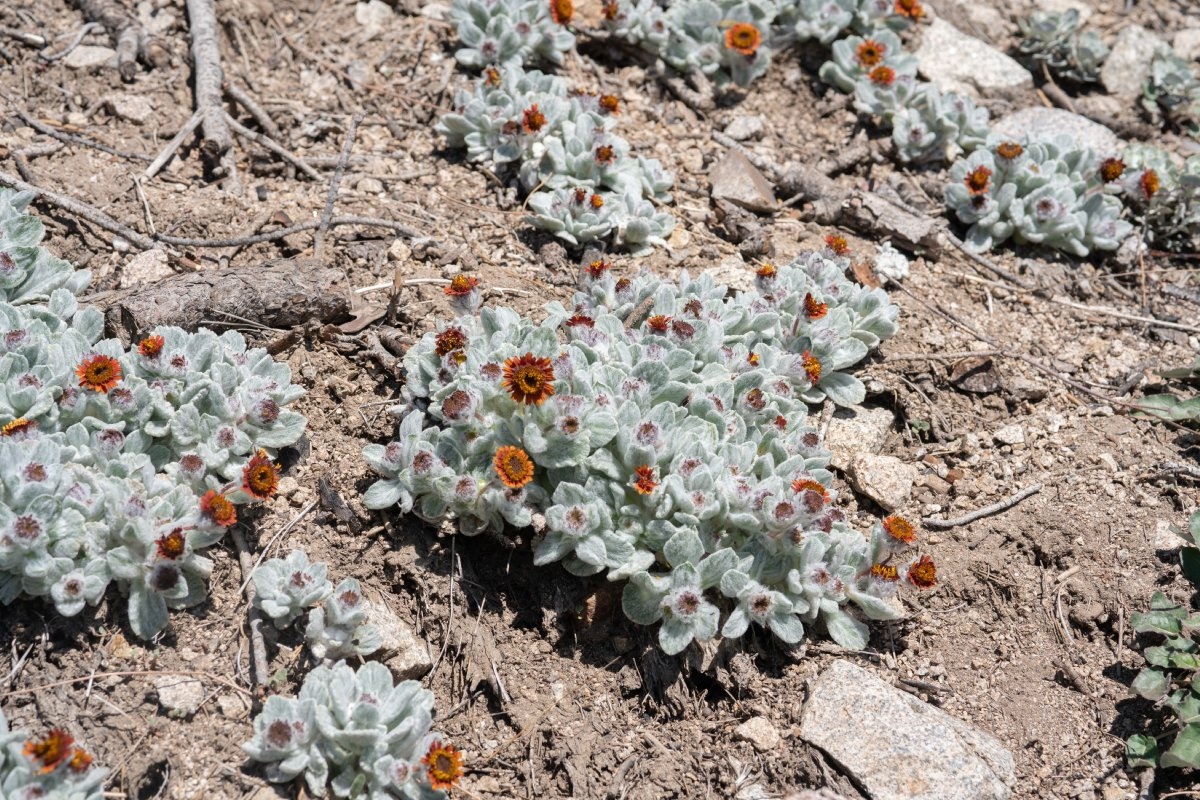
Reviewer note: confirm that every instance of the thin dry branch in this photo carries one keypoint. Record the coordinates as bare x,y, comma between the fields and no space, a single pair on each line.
274,147
331,197
980,513
217,144
81,209
258,647
131,40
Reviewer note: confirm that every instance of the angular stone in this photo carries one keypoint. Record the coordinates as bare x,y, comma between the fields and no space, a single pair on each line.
1010,434
885,479
759,732
1187,43
373,16
743,128
132,107
88,56
1128,64
921,753
1040,123
852,431
147,267
961,63
735,179
400,650
180,695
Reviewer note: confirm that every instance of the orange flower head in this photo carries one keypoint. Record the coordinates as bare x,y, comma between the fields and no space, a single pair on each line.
533,120
491,76
173,545
837,244
910,9
1111,169
597,201
260,478
978,180
514,466
883,75
814,309
1009,150
658,323
529,379
610,104
923,573
610,10
644,483
899,529
443,764
55,749
217,507
452,340
561,12
812,366
766,271
81,761
151,346
18,427
870,53
580,195
1148,183
605,155
597,268
99,373
462,285
885,572
752,359
743,37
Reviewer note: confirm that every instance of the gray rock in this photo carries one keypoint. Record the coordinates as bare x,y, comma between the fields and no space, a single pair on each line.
977,19
373,16
961,63
759,732
743,128
922,753
147,267
133,107
885,479
1040,123
1129,62
861,430
400,650
737,180
180,695
1187,43
369,186
88,56
1010,434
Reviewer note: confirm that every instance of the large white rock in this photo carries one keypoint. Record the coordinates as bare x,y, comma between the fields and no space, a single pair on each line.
961,63
860,430
898,747
885,479
88,56
1128,64
400,649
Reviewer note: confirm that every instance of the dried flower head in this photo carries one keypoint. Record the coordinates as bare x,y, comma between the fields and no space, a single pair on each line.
1111,169
837,244
910,9
172,545
610,10
462,285
451,340
260,478
216,507
1009,150
19,428
812,366
743,37
561,12
899,529
978,180
814,309
514,466
443,765
605,155
533,120
492,76
870,53
752,359
55,749
99,373
609,103
922,573
883,75
151,346
582,320
1149,184
529,379
644,481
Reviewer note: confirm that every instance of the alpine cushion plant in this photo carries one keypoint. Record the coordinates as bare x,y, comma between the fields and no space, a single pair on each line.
512,32
355,734
1052,38
120,464
52,766
673,454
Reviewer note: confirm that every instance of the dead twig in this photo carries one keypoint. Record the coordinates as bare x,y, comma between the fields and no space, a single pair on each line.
300,227
70,138
169,150
131,40
128,674
81,209
30,39
274,147
253,109
980,513
83,31
258,647
217,143
1112,312
331,197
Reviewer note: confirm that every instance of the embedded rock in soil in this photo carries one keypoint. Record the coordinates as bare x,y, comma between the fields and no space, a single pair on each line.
1187,43
1039,123
400,649
147,267
852,431
180,695
88,56
134,108
1128,64
922,753
743,128
737,180
1010,434
961,63
759,732
885,479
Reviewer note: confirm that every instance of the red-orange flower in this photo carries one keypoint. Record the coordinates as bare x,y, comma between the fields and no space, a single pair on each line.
1009,150
81,760
1149,184
51,751
644,483
533,120
870,53
610,10
581,320
899,529
752,359
1111,169
743,37
923,573
217,507
561,12
766,271
910,8
838,244
99,373
491,76
885,572
18,426
597,201
172,545
461,285
514,466
812,366
151,346
443,765
610,103
814,309
978,180
529,379
451,340
605,155
597,268
883,75
658,323
260,478
810,485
